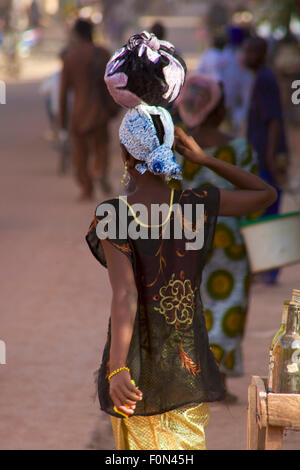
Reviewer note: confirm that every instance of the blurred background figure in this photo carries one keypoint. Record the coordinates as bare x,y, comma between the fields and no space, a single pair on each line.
237,80
226,276
159,30
50,89
83,73
34,15
265,127
222,62
212,62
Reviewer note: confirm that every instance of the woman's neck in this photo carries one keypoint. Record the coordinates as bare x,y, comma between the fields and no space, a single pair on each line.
149,187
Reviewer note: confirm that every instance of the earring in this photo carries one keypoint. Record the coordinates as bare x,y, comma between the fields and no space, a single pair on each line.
126,176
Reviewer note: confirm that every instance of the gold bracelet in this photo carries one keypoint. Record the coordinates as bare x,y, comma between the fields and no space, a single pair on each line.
117,371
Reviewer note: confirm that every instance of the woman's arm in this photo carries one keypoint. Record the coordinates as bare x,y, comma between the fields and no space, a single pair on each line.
253,193
123,311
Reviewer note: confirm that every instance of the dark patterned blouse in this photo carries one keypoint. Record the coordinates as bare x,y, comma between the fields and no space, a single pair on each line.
169,355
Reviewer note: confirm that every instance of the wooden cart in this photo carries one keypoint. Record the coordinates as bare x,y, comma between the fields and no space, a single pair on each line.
269,414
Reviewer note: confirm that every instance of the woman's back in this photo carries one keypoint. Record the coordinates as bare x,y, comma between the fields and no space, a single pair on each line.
169,346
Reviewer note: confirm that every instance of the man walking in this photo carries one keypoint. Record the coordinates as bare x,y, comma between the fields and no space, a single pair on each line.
265,128
92,107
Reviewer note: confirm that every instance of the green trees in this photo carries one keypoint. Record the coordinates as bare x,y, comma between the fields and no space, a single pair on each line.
278,13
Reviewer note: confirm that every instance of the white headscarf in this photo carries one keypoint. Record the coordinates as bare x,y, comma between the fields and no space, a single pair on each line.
138,134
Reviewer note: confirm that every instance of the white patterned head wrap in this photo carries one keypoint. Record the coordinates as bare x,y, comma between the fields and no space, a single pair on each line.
138,134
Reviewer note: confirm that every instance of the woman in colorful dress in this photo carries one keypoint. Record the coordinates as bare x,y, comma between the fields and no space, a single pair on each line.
226,277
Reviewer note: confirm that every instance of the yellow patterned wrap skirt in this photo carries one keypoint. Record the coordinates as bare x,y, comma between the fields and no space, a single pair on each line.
179,429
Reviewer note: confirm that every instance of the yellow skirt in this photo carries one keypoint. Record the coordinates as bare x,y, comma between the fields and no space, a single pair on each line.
179,429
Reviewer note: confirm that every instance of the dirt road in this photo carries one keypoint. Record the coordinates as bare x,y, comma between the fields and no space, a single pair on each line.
55,302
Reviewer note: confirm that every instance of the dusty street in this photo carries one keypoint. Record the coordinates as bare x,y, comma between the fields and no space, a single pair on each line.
55,302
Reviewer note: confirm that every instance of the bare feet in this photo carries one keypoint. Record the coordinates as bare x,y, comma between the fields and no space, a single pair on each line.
230,399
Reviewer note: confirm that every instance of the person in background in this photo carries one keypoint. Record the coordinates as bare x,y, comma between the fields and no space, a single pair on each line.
50,89
237,81
265,127
226,276
83,73
211,62
34,15
159,31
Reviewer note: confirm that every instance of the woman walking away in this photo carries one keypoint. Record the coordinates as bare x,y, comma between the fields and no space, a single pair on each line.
157,336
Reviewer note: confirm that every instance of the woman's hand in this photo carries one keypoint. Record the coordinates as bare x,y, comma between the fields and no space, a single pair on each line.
123,393
188,147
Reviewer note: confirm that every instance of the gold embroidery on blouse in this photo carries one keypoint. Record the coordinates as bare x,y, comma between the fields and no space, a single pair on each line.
93,224
125,248
177,302
97,221
162,264
188,363
203,195
181,255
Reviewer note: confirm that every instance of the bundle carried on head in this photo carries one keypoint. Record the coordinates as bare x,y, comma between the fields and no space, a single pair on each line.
145,70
